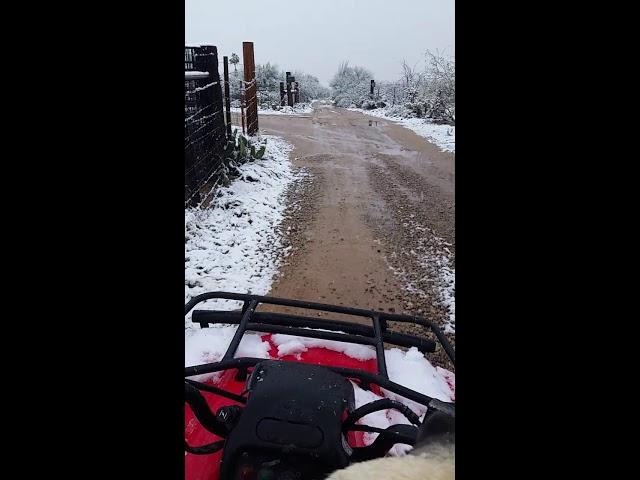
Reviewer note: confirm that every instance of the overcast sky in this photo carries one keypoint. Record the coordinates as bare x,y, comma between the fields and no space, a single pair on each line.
316,36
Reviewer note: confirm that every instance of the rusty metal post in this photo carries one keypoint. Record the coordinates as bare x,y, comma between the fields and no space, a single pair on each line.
250,87
282,94
227,99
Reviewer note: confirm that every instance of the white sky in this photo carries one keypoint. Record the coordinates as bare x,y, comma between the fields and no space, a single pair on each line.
315,36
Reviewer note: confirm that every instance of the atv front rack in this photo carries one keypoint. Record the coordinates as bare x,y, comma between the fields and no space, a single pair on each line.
375,335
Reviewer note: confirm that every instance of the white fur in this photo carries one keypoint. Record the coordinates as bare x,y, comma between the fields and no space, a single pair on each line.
437,463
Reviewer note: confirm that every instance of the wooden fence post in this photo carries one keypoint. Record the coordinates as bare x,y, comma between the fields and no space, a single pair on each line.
250,87
296,97
282,94
289,94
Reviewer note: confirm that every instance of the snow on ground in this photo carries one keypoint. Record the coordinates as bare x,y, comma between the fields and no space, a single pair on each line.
233,245
297,110
433,254
444,136
448,290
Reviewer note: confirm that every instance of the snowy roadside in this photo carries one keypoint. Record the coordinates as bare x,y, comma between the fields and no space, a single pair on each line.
444,136
297,110
437,271
233,245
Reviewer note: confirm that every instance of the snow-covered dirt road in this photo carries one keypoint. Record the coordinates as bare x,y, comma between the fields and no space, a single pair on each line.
337,211
376,229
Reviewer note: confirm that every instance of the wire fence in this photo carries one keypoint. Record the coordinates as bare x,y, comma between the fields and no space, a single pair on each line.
204,122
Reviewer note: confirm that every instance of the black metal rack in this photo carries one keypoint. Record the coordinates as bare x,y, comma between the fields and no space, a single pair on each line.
375,335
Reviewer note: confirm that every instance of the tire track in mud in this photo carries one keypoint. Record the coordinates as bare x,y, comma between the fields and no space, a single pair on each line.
302,207
428,202
416,253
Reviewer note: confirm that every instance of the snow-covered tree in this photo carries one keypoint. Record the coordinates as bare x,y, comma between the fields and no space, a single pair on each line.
419,92
310,87
350,85
411,81
235,78
234,60
440,87
268,78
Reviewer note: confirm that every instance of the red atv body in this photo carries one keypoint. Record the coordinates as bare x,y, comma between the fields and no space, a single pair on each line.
233,379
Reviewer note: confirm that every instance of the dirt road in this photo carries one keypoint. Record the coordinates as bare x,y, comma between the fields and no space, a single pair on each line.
376,228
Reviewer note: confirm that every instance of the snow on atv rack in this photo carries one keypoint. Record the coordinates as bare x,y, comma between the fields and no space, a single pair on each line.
375,335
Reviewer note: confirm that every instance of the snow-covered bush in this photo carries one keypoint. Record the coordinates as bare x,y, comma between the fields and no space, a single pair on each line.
423,93
368,105
417,109
343,102
400,111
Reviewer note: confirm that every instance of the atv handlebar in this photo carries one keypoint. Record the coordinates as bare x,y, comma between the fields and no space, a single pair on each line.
202,412
226,418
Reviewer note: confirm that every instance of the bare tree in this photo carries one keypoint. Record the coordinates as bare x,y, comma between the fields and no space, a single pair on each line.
411,80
